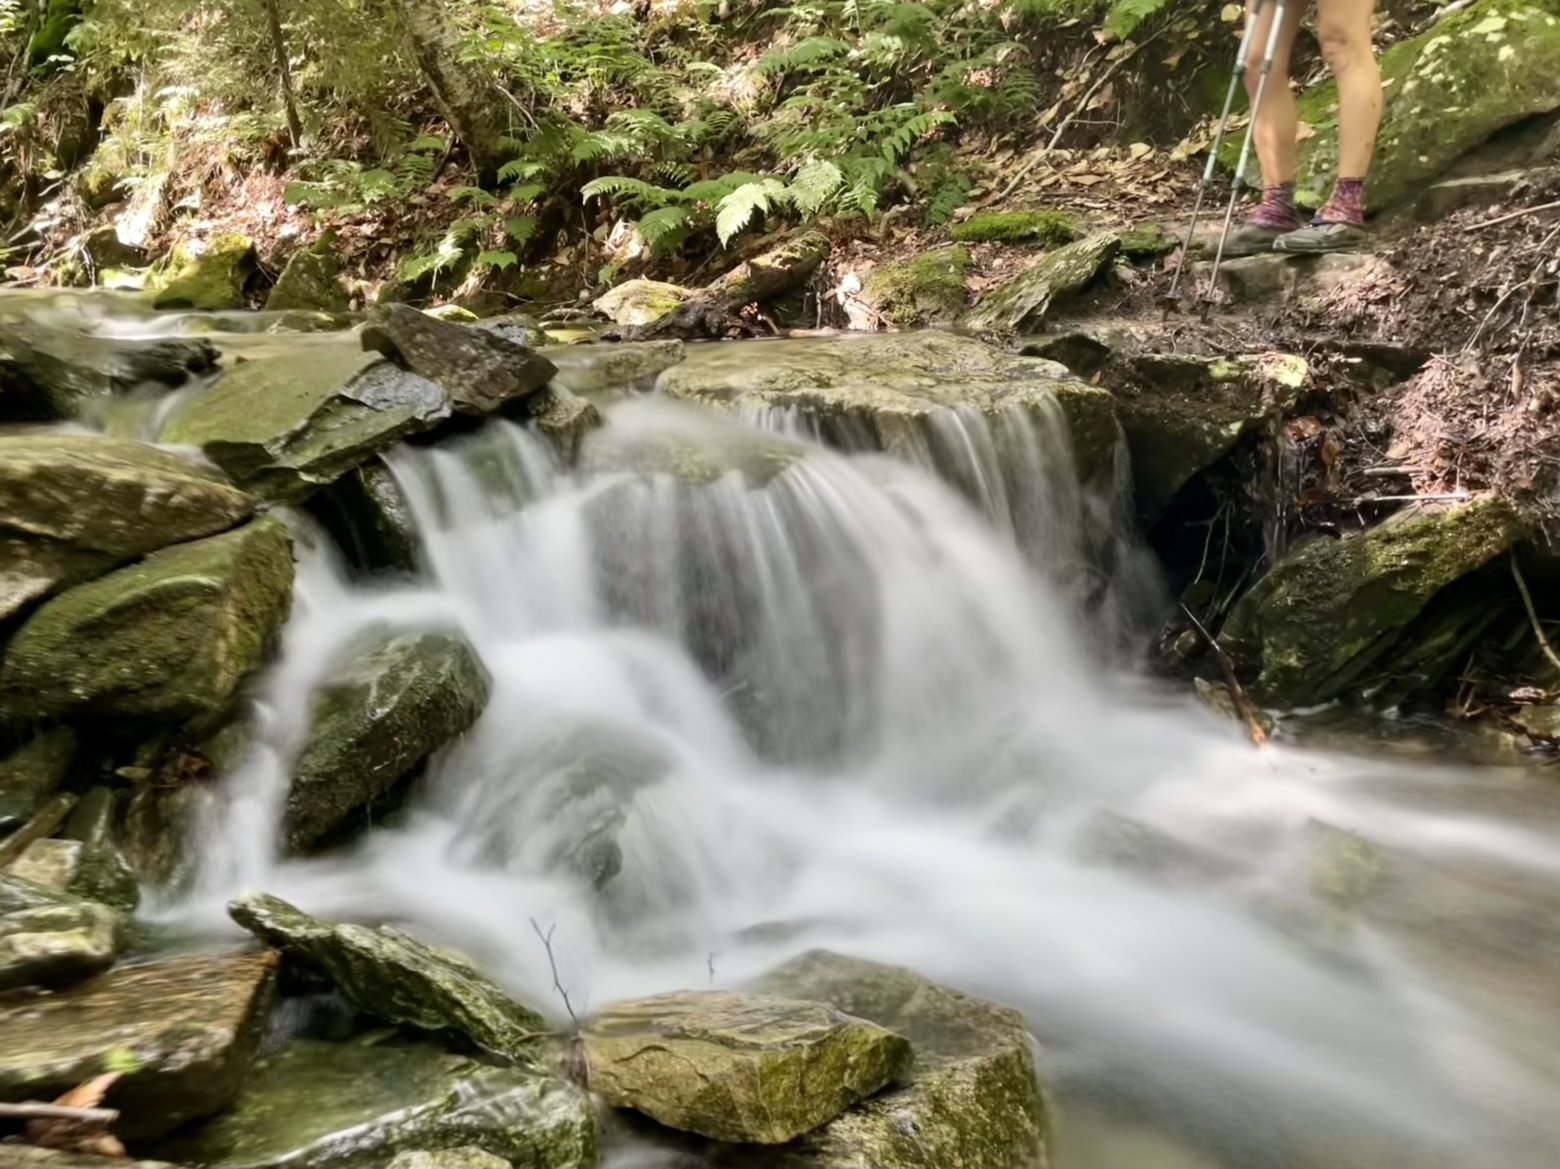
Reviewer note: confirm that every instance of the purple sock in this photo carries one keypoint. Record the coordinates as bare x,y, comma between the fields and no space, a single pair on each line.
1277,209
1347,205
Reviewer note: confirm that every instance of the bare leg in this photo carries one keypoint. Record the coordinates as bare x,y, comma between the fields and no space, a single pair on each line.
1343,27
1276,128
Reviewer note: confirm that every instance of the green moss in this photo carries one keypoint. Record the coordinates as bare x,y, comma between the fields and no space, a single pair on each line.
1023,302
924,290
1047,228
1147,241
311,281
207,276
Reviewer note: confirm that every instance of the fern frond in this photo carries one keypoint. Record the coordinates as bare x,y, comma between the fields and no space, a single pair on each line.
495,259
625,189
520,229
737,209
476,196
814,184
806,55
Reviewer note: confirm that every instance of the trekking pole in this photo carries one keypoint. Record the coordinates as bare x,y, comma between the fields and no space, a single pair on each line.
1271,51
1241,56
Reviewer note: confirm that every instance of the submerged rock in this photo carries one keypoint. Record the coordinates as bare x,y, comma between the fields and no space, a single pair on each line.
169,638
391,700
924,290
310,281
972,1099
390,974
640,302
283,426
205,275
32,773
564,420
46,373
481,370
369,518
1331,611
738,1067
180,1031
352,1106
73,507
50,939
590,369
1024,301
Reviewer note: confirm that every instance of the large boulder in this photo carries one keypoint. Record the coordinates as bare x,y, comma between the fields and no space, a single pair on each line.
1024,302
640,302
390,974
50,939
354,1106
206,275
310,281
180,1031
972,1099
738,1067
927,289
480,369
1449,89
32,772
47,373
169,638
285,425
370,519
391,699
1331,610
72,507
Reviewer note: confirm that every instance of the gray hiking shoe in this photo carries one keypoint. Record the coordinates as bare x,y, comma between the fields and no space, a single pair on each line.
1321,237
1251,239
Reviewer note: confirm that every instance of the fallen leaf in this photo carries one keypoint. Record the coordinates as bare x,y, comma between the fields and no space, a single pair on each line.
1230,13
1139,150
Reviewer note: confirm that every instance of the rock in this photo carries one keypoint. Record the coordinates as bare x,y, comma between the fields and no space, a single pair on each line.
692,459
480,370
51,864
169,638
453,314
1439,200
33,1157
564,420
589,369
466,1157
972,1099
181,1031
1331,611
370,520
738,1067
1449,89
1539,722
206,275
391,975
352,1106
157,825
72,507
1111,840
1024,301
1050,229
47,373
925,290
285,425
32,773
1147,241
50,939
516,328
102,873
311,281
105,249
640,302
392,699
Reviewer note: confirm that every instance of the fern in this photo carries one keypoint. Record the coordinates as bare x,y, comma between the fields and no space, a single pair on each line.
476,196
808,54
631,191
495,259
665,228
814,184
520,229
1127,16
737,209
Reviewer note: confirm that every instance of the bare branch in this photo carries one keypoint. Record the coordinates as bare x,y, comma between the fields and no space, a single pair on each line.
553,963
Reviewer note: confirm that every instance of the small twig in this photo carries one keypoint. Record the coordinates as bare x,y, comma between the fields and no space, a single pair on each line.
710,962
1447,497
1527,603
35,1111
1248,712
1513,215
553,963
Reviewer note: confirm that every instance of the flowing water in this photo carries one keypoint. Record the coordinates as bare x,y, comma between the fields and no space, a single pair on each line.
841,704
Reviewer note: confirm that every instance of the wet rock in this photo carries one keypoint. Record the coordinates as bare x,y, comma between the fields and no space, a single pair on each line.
640,302
924,290
50,939
1024,301
1049,229
169,638
624,365
1541,723
1331,611
351,1106
311,281
33,1157
52,864
181,1031
1147,241
102,873
481,370
72,507
516,328
692,458
1111,840
465,1157
392,699
285,425
157,825
390,974
46,373
564,420
971,1099
205,275
1216,697
370,520
32,773
738,1067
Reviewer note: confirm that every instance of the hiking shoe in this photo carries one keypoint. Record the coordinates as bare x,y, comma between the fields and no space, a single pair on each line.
1321,237
1251,239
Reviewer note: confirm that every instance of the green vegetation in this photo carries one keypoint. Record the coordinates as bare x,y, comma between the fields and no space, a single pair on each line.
1048,228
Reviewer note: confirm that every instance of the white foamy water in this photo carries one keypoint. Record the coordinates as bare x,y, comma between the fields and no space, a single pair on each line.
842,705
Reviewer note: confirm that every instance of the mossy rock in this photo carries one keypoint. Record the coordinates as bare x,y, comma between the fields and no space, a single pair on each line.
1147,241
640,302
627,365
205,275
50,939
370,519
924,290
32,772
1026,300
310,282
49,374
1050,229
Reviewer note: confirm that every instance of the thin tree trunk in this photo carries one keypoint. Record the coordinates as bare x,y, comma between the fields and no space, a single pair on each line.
465,99
273,15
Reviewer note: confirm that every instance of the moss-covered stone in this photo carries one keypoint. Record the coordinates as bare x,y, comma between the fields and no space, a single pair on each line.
48,374
73,507
206,275
180,1031
169,638
1024,302
285,425
640,302
391,699
1448,89
102,873
972,1099
311,281
482,371
50,939
924,290
1049,229
32,772
1147,241
738,1067
464,1157
1331,611
564,419
317,1105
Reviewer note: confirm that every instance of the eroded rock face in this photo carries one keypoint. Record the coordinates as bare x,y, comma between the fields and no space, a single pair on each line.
351,1106
480,369
208,275
32,772
169,638
310,282
1331,610
50,939
1024,301
73,507
972,1099
47,373
393,976
182,1031
738,1067
391,701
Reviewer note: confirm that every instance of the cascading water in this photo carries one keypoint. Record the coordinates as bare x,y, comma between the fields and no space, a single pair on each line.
829,702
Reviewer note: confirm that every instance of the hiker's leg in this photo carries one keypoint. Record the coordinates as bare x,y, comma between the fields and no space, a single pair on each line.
1277,123
1343,27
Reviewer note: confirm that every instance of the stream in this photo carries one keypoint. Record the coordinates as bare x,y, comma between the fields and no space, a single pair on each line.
842,705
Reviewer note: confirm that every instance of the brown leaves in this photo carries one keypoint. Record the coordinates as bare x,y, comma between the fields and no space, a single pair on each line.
87,1133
